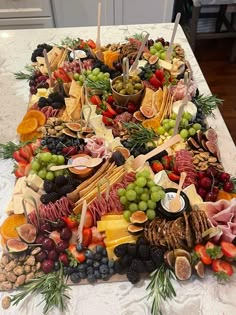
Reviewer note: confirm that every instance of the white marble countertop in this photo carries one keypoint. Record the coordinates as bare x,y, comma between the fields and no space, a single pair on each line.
194,297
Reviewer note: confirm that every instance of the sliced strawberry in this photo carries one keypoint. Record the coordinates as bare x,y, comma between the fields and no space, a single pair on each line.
87,236
61,74
97,237
110,109
71,221
202,254
25,153
213,250
155,82
223,270
157,166
92,246
16,155
228,249
91,43
88,221
27,169
29,148
107,121
160,75
110,99
166,162
80,257
19,173
173,177
95,100
107,114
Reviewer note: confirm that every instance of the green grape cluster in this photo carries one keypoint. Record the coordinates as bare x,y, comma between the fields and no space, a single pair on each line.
158,50
42,163
186,128
141,195
94,75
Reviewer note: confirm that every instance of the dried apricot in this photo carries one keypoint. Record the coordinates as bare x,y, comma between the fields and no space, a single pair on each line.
39,116
8,228
27,126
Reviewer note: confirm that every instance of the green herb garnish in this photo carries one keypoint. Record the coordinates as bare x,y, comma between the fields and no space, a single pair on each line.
7,150
103,85
160,288
52,287
207,103
25,76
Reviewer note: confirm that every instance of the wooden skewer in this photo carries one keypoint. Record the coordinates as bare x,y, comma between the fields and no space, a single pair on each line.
98,42
48,66
170,49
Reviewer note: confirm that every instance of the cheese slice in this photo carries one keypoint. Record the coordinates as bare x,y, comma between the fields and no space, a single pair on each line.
162,179
114,234
109,217
119,241
110,224
29,192
20,186
35,182
17,204
10,208
192,194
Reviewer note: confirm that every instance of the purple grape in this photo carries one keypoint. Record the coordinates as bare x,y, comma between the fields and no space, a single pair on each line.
47,265
48,244
65,234
41,256
53,255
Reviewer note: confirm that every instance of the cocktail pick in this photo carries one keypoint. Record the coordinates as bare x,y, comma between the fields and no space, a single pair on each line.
125,65
48,66
135,64
171,47
98,41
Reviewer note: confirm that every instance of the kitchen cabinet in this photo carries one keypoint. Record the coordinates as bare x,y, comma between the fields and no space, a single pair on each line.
15,14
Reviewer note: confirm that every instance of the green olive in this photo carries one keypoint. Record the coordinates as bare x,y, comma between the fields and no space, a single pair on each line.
136,79
135,91
138,86
123,92
118,87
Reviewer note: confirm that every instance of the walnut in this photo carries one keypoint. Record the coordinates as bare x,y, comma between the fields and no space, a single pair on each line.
11,276
18,270
6,302
4,260
2,277
36,250
38,266
29,277
11,265
6,286
20,280
30,261
27,269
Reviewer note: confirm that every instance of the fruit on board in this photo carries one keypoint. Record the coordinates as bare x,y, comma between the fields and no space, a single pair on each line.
9,225
183,269
147,111
16,246
138,217
27,232
202,254
37,114
223,270
27,126
228,249
200,269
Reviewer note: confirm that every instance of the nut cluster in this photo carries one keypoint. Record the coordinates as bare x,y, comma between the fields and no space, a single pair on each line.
202,160
54,127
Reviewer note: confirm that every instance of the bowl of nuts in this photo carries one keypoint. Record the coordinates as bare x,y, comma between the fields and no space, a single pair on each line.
129,90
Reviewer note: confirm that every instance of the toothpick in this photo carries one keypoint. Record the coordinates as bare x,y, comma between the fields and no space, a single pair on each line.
48,66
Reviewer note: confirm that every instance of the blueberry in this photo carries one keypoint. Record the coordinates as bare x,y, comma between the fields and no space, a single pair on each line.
82,267
99,249
90,270
82,275
89,262
104,252
65,270
111,263
97,257
96,265
79,247
74,277
104,260
111,271
56,265
103,269
91,278
105,277
97,274
88,254
70,270
43,142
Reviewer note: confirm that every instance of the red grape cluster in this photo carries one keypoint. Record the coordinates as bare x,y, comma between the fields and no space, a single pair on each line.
38,80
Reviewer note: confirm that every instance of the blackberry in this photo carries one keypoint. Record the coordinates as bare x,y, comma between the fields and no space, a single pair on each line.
132,250
73,182
57,105
157,255
118,267
57,97
42,102
49,186
51,197
49,100
150,266
60,180
62,191
121,250
142,241
38,52
144,251
126,260
138,265
133,276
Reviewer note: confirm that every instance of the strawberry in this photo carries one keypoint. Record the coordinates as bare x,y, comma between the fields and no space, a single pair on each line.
107,121
155,82
80,257
107,113
25,153
71,221
173,177
131,108
157,166
95,100
88,221
166,162
160,75
64,259
91,43
96,235
223,270
213,251
87,236
110,109
110,99
19,173
27,169
92,246
61,75
16,155
228,249
35,145
201,252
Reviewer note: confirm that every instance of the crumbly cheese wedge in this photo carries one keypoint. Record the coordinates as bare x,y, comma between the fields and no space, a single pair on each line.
35,182
10,208
31,193
192,194
20,186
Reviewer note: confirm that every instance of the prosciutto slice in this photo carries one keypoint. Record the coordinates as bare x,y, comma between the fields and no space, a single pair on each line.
223,214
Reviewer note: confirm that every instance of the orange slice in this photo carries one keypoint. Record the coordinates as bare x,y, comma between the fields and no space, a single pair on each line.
27,126
8,228
39,116
30,136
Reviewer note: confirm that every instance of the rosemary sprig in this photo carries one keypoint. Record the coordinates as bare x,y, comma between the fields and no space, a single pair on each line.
52,287
207,103
25,76
160,288
103,85
139,135
7,150
138,36
70,42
